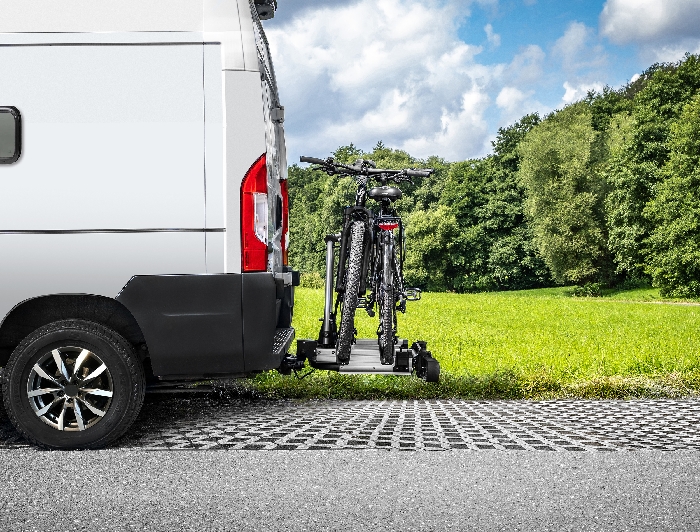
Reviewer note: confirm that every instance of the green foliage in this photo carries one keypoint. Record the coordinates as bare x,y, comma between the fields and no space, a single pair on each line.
637,168
511,345
565,195
675,211
433,250
597,193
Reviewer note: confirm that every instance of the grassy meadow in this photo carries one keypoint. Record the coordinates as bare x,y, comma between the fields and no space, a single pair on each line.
524,344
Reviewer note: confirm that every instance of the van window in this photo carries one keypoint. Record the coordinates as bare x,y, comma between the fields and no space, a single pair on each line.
10,135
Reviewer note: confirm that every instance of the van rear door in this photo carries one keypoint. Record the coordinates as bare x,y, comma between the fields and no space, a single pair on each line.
275,148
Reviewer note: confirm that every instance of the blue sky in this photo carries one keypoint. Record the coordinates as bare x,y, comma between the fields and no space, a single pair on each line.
439,77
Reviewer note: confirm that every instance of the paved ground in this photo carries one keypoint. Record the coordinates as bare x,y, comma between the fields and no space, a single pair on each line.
338,471
354,490
216,421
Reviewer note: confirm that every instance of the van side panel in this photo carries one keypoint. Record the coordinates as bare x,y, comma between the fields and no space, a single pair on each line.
34,265
245,143
214,155
113,137
113,140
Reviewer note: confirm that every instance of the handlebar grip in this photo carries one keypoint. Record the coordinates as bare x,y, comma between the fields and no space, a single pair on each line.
419,173
312,160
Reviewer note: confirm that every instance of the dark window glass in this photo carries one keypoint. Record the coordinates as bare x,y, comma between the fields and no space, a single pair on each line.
10,135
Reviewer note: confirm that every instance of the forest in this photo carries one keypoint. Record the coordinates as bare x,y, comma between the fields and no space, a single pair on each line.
604,192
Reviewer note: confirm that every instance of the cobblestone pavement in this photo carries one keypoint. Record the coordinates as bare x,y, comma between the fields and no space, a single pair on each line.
218,422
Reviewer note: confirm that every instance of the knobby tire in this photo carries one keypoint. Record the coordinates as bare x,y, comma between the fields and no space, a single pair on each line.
346,334
386,303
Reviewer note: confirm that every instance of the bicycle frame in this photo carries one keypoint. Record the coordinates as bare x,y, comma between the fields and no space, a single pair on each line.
377,262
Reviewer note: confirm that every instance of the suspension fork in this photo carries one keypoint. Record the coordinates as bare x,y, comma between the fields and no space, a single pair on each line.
351,214
366,258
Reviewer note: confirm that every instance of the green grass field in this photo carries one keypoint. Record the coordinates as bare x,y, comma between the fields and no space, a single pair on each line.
527,344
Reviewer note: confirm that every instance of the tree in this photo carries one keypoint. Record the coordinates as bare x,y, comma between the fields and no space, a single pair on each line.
513,260
433,249
675,211
565,196
636,170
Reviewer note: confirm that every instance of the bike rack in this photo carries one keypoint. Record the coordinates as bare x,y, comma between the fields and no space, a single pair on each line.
364,353
364,359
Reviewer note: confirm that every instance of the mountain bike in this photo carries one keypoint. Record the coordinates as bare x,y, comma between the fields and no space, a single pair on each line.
369,270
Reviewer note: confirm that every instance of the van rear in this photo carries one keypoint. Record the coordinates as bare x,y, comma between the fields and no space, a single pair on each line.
150,189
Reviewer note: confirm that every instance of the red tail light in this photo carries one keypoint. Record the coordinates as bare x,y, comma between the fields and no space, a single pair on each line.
285,221
254,217
388,226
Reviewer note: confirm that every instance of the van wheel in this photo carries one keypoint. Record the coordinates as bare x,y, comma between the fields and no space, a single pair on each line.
73,384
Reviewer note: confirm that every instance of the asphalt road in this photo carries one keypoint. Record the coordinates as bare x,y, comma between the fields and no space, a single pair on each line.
185,466
123,489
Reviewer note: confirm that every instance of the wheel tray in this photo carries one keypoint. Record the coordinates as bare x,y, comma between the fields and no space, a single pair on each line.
364,359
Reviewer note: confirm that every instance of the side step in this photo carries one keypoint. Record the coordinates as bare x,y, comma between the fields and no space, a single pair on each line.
283,339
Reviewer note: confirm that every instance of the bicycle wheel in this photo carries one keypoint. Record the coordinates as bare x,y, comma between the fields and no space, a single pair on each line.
386,301
346,334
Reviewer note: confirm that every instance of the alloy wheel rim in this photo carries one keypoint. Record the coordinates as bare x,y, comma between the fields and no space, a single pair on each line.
70,388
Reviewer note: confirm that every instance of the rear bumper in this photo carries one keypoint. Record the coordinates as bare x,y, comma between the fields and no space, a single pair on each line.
212,326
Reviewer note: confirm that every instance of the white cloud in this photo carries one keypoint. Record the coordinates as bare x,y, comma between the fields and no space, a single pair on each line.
463,133
393,70
669,52
493,38
527,66
578,48
509,98
574,93
646,21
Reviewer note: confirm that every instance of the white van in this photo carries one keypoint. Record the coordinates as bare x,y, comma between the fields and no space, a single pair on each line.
143,207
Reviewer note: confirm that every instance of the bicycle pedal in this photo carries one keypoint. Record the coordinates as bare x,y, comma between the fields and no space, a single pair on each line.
413,294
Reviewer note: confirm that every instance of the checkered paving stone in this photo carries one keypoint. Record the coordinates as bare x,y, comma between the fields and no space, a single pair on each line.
215,422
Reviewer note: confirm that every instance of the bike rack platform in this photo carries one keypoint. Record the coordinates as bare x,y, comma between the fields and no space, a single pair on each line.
365,359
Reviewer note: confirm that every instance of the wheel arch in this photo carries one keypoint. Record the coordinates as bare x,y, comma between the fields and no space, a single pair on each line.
39,311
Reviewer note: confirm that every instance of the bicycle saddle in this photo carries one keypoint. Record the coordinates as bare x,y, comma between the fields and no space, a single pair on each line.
390,193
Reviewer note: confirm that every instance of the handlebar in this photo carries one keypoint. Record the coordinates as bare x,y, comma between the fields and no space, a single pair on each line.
419,173
312,160
334,167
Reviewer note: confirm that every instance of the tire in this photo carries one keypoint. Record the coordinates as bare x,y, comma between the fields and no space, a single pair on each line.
432,370
346,334
86,402
386,302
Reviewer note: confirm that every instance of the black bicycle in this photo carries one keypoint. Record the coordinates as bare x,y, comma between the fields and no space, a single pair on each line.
370,259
